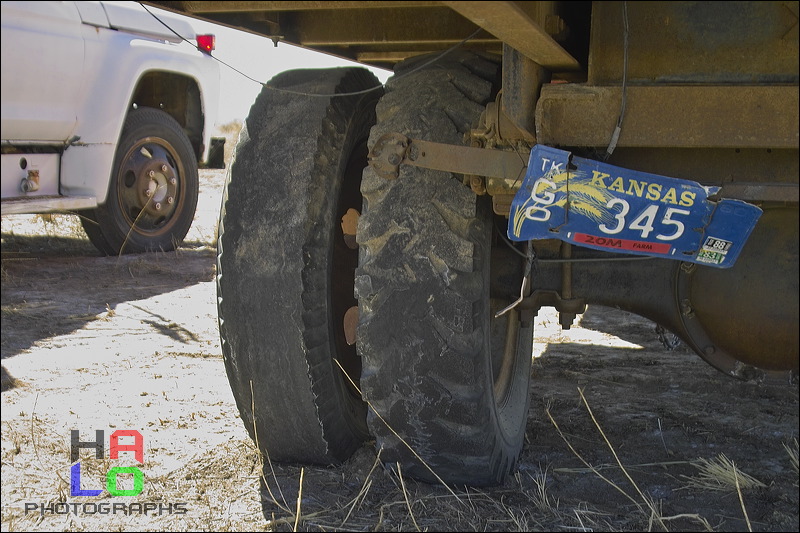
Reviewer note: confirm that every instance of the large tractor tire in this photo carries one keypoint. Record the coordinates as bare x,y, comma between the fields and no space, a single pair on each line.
153,191
285,270
447,382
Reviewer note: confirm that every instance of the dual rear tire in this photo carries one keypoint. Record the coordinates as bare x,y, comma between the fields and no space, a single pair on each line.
426,370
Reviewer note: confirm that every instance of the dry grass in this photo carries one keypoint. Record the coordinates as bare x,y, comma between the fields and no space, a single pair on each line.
370,498
24,235
373,498
540,496
720,474
645,506
234,487
792,451
60,224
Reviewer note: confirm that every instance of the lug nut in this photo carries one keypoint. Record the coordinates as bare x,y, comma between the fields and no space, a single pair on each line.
148,193
163,168
158,206
173,181
151,173
170,199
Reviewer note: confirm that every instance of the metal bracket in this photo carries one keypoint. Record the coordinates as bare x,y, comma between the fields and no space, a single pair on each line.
395,149
387,155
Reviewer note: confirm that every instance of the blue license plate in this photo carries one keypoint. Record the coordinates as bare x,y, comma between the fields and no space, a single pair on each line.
613,209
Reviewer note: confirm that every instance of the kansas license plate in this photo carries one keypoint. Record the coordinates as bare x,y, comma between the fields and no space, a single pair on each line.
600,206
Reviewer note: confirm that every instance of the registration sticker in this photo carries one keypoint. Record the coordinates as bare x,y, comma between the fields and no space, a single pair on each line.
604,207
714,251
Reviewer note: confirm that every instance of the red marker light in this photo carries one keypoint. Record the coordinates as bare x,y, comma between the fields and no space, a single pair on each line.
206,43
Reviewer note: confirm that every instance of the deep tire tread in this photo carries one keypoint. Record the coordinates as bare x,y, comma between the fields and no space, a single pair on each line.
422,288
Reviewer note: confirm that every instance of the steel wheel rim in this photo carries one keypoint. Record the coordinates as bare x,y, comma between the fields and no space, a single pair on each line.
149,186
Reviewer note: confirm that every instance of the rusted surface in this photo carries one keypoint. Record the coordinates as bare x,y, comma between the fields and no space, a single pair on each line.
43,204
349,226
31,183
695,42
745,318
389,152
516,25
756,192
350,325
522,81
670,116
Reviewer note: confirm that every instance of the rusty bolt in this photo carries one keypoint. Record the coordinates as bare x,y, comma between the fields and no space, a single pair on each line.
555,26
477,185
394,159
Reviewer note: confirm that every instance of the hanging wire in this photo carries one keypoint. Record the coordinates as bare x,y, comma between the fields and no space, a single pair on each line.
618,129
301,93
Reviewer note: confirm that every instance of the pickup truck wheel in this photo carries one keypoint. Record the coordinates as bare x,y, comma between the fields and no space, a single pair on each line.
448,382
286,262
152,195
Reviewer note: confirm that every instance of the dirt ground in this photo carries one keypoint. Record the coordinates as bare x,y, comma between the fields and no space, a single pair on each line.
623,434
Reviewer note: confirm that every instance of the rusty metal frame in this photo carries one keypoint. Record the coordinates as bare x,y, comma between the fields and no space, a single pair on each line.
670,116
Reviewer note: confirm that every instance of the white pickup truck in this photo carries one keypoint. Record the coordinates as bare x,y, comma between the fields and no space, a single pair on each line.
107,110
